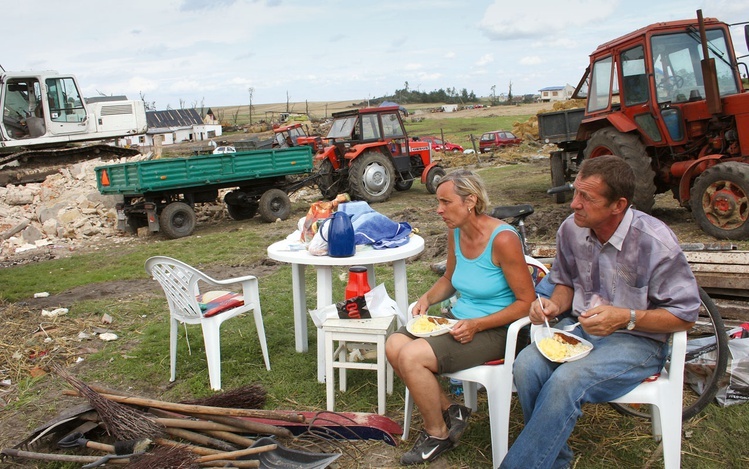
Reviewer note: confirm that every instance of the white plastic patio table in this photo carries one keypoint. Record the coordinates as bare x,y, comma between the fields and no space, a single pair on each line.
299,260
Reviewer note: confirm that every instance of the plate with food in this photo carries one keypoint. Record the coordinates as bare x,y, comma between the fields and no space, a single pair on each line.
561,346
428,326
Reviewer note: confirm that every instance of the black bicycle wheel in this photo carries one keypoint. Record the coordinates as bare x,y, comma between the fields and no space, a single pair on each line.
709,324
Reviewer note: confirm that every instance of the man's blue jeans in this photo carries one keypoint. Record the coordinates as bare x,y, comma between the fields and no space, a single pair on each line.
552,394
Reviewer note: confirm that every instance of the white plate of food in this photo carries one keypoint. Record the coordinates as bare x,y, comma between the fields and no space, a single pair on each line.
561,346
428,326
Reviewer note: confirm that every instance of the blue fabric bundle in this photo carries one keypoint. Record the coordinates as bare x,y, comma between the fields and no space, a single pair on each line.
374,228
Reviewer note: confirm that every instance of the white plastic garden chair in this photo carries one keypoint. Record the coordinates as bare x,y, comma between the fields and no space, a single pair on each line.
495,376
664,392
181,284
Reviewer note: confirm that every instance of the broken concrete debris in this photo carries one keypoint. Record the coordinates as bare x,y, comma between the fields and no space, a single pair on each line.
66,210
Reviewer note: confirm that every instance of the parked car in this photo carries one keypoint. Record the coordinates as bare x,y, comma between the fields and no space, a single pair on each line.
439,145
496,139
221,150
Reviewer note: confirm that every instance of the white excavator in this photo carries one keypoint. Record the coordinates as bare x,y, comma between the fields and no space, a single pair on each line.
46,121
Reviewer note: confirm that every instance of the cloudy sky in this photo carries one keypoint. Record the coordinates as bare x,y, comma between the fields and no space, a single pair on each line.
178,53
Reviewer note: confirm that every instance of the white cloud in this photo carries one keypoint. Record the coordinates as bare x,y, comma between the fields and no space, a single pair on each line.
187,49
485,59
531,60
533,18
141,84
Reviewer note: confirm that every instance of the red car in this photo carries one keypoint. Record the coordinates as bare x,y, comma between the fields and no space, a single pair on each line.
439,145
496,139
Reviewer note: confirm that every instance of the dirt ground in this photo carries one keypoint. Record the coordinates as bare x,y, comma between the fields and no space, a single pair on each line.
417,209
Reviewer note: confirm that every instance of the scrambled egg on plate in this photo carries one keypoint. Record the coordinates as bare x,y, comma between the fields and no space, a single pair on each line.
556,348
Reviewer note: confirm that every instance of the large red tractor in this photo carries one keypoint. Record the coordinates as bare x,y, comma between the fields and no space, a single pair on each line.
368,154
668,99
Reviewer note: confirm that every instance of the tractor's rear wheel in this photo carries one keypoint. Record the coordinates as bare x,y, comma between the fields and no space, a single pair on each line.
720,200
371,177
329,183
177,220
403,185
434,176
609,141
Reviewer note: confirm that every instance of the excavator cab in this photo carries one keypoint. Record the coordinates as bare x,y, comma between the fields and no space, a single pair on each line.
22,109
41,105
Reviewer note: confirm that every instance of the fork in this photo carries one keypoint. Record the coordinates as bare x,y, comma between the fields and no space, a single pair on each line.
571,327
544,310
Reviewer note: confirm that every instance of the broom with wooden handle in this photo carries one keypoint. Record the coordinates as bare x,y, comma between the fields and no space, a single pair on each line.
124,422
199,409
249,396
17,453
232,424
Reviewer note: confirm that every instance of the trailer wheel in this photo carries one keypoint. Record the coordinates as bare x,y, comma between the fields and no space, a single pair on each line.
177,220
274,205
609,141
720,200
434,176
371,177
241,212
403,184
329,182
557,176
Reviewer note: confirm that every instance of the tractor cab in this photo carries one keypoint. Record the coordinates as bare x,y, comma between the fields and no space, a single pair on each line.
295,135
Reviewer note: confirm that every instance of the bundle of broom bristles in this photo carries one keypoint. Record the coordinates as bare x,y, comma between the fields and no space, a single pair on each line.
210,431
121,421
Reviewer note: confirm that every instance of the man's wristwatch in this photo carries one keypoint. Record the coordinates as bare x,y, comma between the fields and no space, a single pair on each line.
632,319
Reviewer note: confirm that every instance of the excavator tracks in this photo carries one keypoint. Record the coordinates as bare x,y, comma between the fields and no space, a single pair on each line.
29,166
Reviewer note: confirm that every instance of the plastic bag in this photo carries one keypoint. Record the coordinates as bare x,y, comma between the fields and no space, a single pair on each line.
318,246
733,388
378,303
319,210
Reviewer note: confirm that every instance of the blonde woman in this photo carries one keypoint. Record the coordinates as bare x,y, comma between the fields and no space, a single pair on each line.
486,266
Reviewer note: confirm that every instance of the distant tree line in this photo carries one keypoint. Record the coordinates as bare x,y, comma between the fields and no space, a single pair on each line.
449,96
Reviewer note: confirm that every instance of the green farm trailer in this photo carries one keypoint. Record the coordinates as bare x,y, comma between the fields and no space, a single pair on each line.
162,193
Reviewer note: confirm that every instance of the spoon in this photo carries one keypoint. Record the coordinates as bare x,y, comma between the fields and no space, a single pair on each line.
546,321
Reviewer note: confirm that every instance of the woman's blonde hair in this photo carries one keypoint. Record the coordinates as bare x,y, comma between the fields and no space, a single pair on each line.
466,183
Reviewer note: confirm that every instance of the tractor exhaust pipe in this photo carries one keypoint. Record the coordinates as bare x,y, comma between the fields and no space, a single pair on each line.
709,73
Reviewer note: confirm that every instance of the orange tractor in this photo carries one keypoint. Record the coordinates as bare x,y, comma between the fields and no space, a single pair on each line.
294,135
368,154
668,99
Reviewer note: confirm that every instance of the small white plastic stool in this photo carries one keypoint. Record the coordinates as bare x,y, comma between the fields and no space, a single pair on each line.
366,331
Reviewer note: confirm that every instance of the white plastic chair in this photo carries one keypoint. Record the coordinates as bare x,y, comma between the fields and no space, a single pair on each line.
497,380
495,376
664,393
180,283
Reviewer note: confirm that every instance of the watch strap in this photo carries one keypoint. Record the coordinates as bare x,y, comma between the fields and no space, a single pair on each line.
632,319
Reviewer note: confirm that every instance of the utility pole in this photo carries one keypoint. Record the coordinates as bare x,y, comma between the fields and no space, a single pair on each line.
251,90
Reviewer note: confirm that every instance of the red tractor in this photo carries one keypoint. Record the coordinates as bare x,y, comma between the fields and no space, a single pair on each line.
295,135
368,154
668,99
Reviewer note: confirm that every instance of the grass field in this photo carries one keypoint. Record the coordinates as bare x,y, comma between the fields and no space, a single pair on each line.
113,281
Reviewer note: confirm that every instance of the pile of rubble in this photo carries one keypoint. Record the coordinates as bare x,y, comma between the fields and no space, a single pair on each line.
65,210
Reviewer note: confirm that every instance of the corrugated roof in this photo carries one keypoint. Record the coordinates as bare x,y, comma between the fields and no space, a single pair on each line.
552,88
173,118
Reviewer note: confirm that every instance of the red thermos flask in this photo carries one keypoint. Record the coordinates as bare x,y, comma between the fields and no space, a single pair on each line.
357,282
